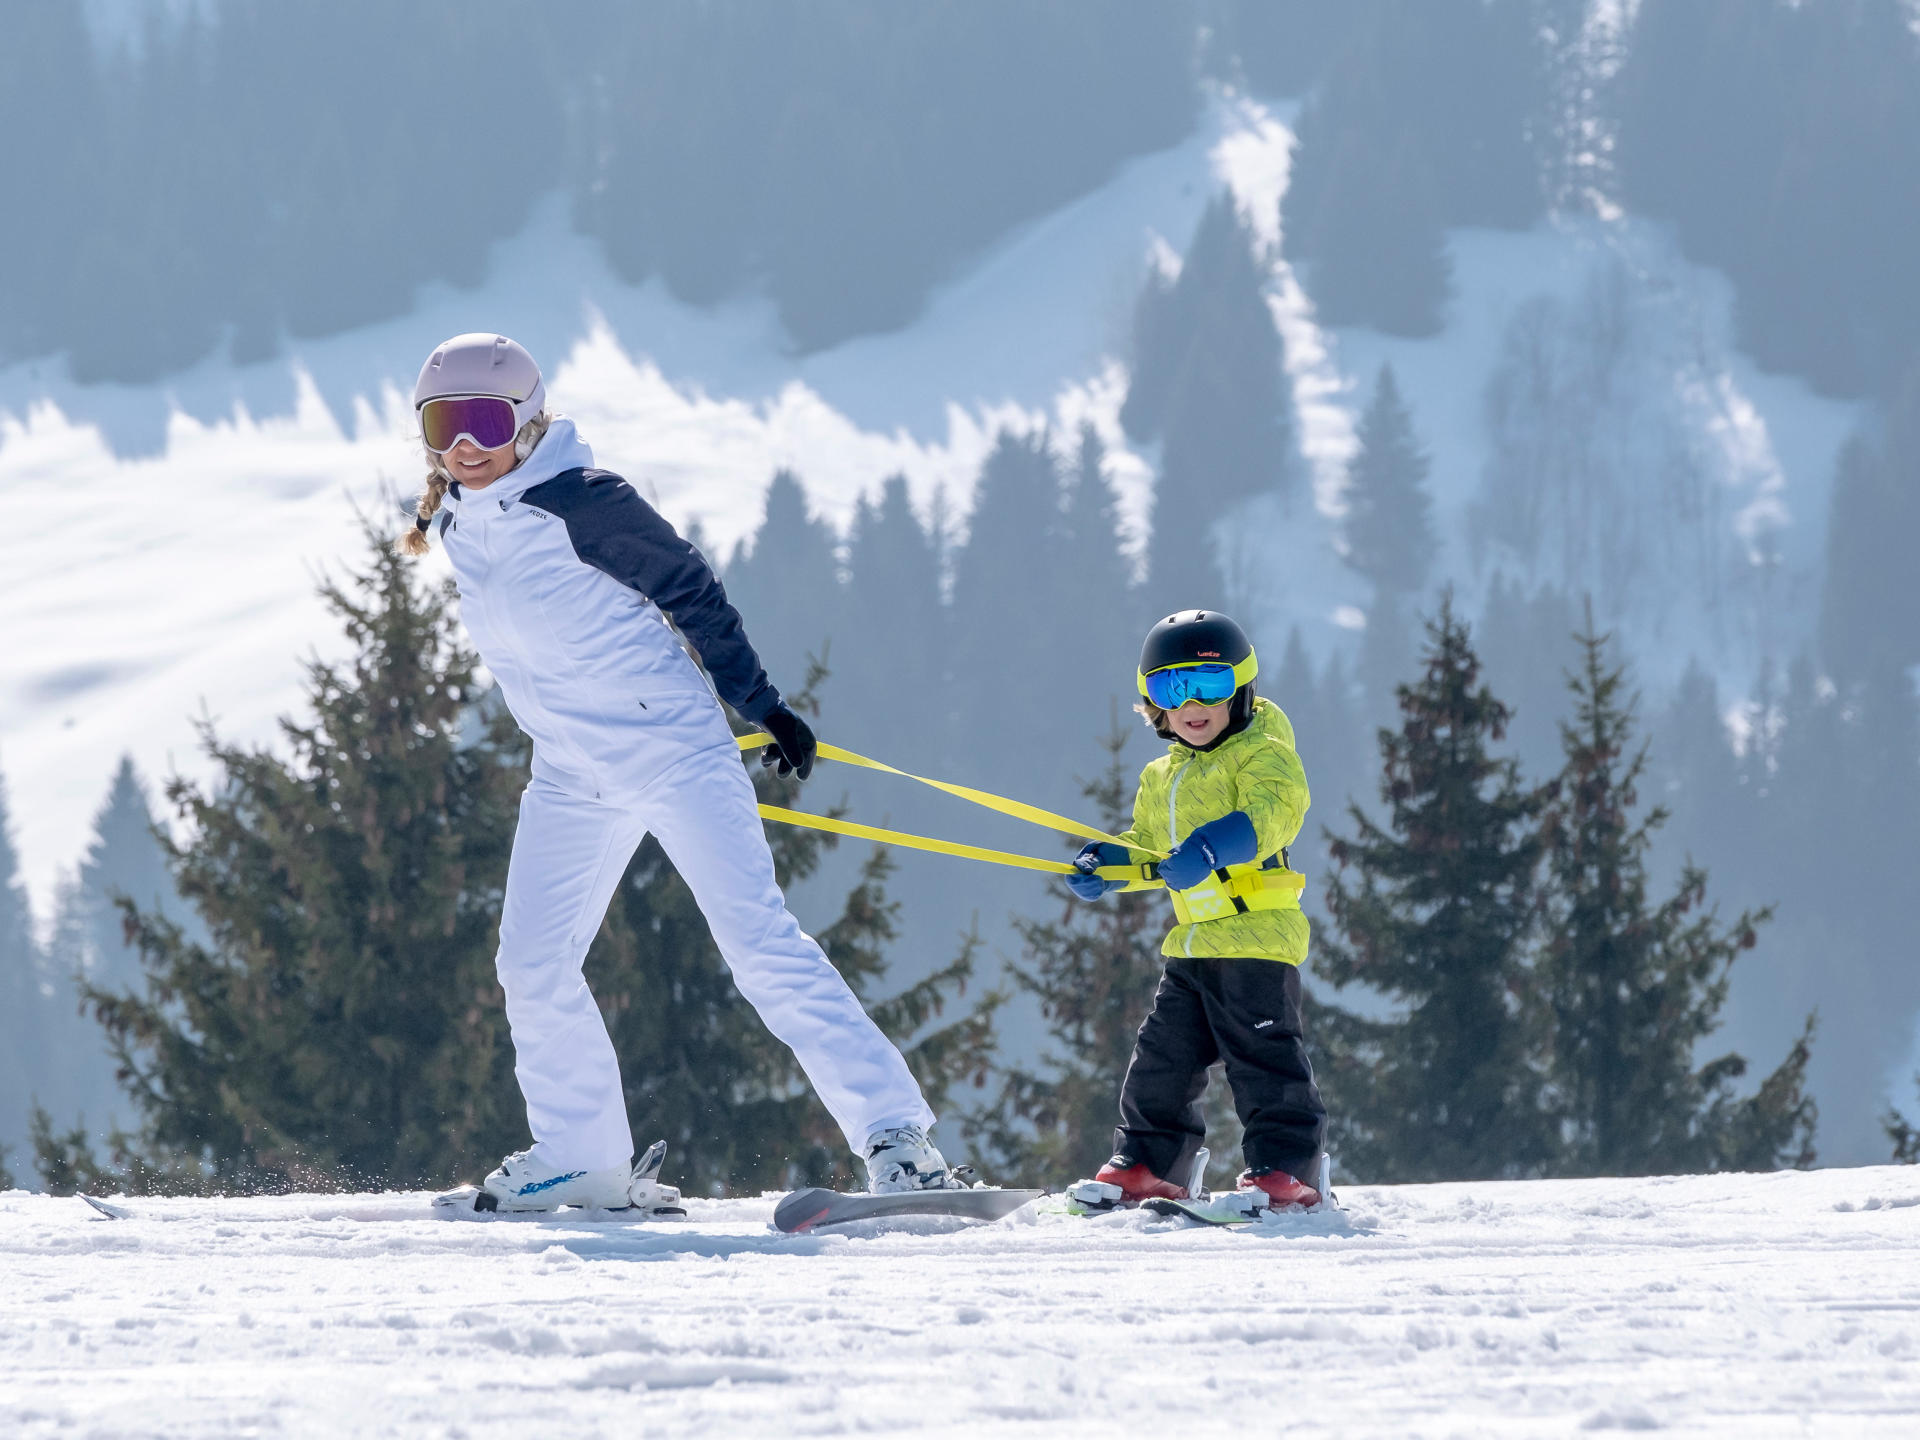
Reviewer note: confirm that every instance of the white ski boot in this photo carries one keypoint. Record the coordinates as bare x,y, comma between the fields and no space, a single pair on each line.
903,1158
523,1184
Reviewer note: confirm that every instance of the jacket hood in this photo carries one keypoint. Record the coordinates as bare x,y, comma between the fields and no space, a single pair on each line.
561,449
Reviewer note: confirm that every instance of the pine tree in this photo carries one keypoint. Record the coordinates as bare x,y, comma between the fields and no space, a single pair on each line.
124,858
1389,525
1209,382
896,636
787,588
1904,1134
340,1024
1694,773
1092,970
24,1011
1635,985
1006,591
1435,910
1870,601
124,861
1389,531
1095,578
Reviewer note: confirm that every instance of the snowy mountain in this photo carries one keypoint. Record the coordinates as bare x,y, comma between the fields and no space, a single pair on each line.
1730,1305
1591,421
163,539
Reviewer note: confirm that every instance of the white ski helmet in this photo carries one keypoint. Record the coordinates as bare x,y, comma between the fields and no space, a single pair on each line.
483,364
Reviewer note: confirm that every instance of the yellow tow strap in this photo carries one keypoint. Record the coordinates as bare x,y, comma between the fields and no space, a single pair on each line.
1136,877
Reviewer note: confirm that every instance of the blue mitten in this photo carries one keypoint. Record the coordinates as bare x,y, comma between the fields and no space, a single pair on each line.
1230,840
1086,884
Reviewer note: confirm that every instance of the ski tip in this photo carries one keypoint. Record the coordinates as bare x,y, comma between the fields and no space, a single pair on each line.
651,1162
803,1209
110,1212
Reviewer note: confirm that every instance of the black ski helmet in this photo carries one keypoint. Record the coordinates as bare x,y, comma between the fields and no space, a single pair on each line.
1198,637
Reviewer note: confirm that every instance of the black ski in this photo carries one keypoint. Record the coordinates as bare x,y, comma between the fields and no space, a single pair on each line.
815,1209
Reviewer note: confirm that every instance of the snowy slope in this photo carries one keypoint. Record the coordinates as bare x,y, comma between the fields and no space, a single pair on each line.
1739,1306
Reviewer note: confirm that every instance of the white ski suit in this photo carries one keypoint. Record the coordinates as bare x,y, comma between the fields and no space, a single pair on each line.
564,572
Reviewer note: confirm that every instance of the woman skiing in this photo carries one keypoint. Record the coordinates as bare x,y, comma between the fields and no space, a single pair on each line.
1222,805
566,580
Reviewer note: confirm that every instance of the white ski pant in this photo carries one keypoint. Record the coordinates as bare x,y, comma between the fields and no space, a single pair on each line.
569,853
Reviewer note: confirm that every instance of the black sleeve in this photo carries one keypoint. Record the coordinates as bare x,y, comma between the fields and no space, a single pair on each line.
615,531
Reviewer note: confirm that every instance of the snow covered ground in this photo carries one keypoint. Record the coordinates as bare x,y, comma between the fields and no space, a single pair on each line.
1745,1306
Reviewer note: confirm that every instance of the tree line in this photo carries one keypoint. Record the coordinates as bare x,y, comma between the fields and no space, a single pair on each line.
937,656
333,1021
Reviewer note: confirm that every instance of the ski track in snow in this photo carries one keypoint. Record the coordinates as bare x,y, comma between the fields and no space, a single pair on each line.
1784,1304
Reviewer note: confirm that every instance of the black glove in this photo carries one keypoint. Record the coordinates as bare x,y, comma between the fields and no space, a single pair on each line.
793,742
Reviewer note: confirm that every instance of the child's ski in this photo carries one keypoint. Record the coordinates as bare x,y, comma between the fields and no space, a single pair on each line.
815,1209
1231,1207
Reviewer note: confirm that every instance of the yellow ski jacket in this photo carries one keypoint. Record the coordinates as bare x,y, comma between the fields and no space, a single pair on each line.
1257,771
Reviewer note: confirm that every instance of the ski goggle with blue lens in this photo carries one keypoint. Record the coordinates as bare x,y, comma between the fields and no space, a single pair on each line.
1211,683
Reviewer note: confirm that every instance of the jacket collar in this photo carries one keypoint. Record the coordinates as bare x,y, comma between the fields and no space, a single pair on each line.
1264,719
561,449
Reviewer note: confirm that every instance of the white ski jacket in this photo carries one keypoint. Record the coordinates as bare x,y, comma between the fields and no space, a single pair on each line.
564,574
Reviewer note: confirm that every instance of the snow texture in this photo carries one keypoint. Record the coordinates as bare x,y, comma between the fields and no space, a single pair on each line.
1740,1306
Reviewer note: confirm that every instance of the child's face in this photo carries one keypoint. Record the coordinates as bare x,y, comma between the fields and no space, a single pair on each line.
1197,724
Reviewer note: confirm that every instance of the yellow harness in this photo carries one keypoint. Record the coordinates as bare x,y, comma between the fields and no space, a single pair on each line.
1232,891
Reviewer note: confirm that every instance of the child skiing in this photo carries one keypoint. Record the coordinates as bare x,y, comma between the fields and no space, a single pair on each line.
565,577
1223,805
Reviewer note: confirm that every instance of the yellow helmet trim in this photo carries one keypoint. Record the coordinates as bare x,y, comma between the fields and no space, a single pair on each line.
1243,673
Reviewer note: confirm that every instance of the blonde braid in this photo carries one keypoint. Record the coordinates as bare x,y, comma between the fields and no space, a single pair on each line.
413,540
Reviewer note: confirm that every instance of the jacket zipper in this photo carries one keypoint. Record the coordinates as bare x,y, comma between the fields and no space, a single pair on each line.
1173,833
1173,799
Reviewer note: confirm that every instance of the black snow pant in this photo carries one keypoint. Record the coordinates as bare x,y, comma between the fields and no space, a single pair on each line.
1247,1014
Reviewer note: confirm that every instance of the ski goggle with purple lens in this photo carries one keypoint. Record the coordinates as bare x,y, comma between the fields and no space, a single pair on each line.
489,421
1209,684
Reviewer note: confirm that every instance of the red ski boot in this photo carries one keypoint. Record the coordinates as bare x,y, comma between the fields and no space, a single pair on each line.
1138,1183
1116,1186
1280,1188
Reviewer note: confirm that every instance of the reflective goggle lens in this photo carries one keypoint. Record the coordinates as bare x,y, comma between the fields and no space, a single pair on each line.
487,420
1209,684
